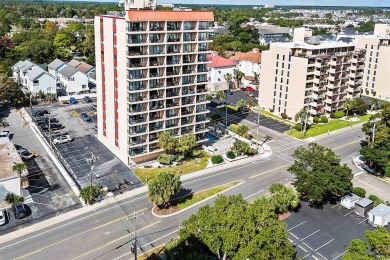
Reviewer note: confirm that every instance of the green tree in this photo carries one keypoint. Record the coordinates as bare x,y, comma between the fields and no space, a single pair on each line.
166,141
186,143
257,77
9,90
19,168
284,198
357,250
37,50
302,116
238,75
89,193
12,198
241,103
349,105
236,229
240,147
163,187
220,95
360,107
379,241
319,176
242,129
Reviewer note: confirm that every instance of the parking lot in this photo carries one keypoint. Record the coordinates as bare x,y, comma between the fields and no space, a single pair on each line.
48,193
324,233
108,169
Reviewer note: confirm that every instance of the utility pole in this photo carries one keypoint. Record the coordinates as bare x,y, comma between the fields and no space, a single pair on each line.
374,128
226,105
91,160
134,241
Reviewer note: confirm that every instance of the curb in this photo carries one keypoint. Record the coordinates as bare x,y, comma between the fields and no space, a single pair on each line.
199,202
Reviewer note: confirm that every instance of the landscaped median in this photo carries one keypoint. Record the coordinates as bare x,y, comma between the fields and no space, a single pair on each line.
334,124
231,109
182,203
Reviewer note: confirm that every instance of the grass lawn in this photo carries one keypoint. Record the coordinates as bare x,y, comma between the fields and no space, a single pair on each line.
231,109
319,129
187,201
186,167
147,254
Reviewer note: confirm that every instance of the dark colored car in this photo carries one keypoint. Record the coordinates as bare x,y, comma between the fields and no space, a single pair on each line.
87,99
368,169
94,106
46,119
53,126
19,210
39,112
85,117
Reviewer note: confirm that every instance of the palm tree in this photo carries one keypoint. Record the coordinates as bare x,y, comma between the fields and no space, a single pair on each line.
161,188
285,198
256,76
220,95
186,143
301,116
166,141
241,103
238,75
242,129
228,77
89,193
19,168
349,104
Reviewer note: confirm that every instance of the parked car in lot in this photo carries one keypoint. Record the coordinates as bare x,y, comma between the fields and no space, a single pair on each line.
25,155
73,100
4,134
53,126
85,117
3,216
55,133
87,99
20,148
94,106
39,112
62,139
19,210
368,169
95,128
46,120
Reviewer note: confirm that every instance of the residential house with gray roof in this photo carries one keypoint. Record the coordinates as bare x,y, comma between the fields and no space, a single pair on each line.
40,80
54,67
19,71
72,81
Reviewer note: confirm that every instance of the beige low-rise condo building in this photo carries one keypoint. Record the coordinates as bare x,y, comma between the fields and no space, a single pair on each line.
316,75
151,73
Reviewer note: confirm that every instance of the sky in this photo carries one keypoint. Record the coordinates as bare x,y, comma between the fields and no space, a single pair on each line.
385,3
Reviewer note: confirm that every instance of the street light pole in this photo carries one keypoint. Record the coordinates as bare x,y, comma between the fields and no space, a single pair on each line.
374,128
91,160
226,105
134,242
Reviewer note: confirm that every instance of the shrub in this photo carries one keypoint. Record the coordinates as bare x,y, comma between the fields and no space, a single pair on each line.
216,159
165,159
196,153
284,115
216,117
359,191
375,199
298,127
251,151
338,114
148,166
233,128
11,198
179,157
209,97
316,119
64,102
230,155
324,119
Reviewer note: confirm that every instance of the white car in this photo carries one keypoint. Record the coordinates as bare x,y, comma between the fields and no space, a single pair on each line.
62,139
4,134
3,216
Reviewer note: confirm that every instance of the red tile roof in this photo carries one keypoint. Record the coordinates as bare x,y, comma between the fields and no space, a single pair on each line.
218,61
249,56
169,15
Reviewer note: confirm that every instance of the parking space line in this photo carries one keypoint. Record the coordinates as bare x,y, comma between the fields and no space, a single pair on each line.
335,205
323,245
310,235
321,256
296,225
306,256
314,257
364,220
294,235
302,248
340,255
348,213
307,246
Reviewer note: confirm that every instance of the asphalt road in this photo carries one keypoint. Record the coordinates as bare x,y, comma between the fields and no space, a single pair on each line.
106,233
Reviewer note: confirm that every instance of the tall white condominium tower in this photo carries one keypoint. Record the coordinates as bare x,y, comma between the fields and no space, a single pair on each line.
151,71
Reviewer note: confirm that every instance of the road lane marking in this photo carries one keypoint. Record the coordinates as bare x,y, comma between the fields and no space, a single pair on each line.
79,234
323,245
117,239
71,222
341,146
274,169
307,246
340,255
310,235
369,185
253,194
357,174
302,248
296,225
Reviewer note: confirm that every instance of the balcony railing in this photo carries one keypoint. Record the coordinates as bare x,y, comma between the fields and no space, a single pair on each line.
172,94
135,41
140,76
152,97
137,109
156,28
136,65
171,115
156,86
141,87
137,120
136,53
155,107
173,104
136,29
